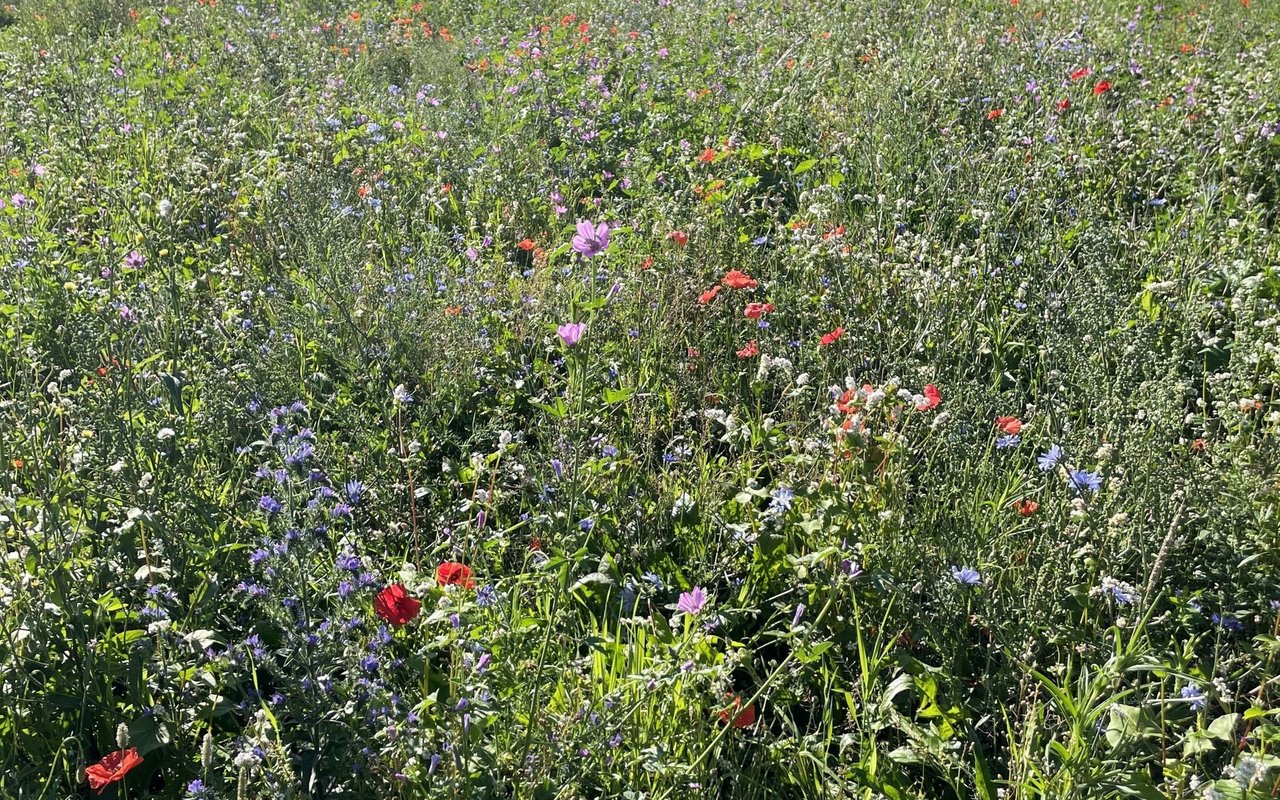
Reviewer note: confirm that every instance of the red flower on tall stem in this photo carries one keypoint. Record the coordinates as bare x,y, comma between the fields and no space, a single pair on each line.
395,605
112,768
451,573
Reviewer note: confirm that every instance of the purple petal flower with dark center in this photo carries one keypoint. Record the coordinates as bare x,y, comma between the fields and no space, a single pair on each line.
591,240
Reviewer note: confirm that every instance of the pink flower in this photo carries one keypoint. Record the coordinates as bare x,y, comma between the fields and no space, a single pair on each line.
571,332
591,240
692,602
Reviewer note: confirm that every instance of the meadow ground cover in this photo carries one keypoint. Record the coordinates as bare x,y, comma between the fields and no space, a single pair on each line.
639,399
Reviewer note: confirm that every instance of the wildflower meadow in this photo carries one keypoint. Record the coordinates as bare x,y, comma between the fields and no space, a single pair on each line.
642,399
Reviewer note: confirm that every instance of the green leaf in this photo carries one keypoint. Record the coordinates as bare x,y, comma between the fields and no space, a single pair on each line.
557,411
147,734
1196,743
805,166
1224,727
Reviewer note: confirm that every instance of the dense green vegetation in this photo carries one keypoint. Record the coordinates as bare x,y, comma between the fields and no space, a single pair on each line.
649,399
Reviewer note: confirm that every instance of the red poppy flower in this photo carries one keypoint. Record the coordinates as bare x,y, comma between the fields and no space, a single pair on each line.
648,262
995,113
750,350
737,279
1009,425
395,605
708,295
679,237
707,156
1026,507
1102,86
451,573
112,768
1083,72
850,401
742,717
832,337
1064,104
932,398
757,310
526,245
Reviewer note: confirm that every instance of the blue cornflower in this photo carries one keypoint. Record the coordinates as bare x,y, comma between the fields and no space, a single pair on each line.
1008,441
1082,481
653,580
966,576
780,500
1050,459
355,491
1192,692
1227,622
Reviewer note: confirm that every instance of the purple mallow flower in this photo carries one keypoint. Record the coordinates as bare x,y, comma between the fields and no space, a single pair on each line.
692,602
571,333
591,240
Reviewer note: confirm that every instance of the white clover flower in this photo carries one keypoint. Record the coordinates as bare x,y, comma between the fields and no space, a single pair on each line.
165,434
